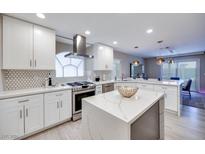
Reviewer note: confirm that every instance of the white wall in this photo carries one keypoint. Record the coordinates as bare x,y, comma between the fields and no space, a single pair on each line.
1,41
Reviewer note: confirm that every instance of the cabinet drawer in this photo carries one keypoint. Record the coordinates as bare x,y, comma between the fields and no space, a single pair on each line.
56,94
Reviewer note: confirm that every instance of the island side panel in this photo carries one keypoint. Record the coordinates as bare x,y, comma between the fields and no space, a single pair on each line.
150,126
98,125
161,117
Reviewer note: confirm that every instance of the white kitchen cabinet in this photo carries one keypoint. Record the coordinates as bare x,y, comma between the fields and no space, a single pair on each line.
57,107
20,116
44,48
27,46
51,109
98,89
65,105
171,97
34,114
17,44
103,57
11,119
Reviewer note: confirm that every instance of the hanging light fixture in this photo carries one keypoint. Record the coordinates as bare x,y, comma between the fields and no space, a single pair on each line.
160,60
136,62
170,61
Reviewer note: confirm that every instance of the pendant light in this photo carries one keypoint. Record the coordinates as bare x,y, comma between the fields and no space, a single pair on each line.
170,61
160,60
136,62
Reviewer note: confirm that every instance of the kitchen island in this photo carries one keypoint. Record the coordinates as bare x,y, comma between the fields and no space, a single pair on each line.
171,88
111,116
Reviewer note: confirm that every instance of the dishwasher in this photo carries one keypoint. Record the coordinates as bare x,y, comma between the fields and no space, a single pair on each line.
107,87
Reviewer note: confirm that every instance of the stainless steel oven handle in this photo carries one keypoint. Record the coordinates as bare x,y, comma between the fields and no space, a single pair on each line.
83,91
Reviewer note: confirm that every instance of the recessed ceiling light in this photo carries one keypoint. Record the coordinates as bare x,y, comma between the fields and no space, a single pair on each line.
40,15
100,47
149,31
87,32
115,42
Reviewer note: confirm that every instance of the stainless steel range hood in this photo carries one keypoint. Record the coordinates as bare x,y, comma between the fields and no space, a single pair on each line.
79,47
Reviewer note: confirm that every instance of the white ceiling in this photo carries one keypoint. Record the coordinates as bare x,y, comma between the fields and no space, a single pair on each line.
183,32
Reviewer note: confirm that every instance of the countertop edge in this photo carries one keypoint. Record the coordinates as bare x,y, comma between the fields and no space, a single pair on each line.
33,91
133,119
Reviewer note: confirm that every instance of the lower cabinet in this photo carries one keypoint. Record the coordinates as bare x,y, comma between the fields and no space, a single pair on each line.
171,96
20,116
57,107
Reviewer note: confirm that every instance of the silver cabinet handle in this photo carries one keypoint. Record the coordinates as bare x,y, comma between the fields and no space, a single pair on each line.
22,101
26,112
21,112
61,104
59,94
30,63
35,62
57,105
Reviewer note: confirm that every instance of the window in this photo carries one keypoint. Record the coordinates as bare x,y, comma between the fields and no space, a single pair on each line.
69,66
185,70
116,69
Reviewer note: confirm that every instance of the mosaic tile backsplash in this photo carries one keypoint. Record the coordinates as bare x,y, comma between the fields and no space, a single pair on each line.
21,79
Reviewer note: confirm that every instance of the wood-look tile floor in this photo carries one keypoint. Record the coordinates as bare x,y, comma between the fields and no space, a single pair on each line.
191,125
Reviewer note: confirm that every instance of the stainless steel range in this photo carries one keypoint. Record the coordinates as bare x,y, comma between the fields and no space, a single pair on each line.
80,90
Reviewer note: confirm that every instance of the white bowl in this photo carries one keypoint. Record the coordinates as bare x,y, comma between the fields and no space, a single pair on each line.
127,91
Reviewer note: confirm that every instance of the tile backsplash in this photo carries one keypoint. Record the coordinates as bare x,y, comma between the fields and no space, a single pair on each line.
23,79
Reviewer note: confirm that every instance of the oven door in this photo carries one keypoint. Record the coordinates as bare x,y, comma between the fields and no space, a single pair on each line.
77,99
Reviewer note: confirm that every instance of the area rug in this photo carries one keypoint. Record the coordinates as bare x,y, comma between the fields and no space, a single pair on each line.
197,100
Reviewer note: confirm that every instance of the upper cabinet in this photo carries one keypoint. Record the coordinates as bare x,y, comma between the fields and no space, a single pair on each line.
27,46
103,57
17,44
44,48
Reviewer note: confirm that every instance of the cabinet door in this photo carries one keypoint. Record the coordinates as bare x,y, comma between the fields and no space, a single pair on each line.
103,57
34,113
11,119
17,44
171,101
44,48
108,58
65,105
51,109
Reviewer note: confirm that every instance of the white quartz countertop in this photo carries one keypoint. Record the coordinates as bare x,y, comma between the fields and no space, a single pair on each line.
104,82
149,81
32,91
125,109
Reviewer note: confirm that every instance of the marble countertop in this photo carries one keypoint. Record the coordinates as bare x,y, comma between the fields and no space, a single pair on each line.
32,91
125,109
150,81
104,82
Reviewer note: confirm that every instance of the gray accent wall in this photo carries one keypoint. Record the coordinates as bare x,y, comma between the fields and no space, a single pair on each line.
154,71
125,61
